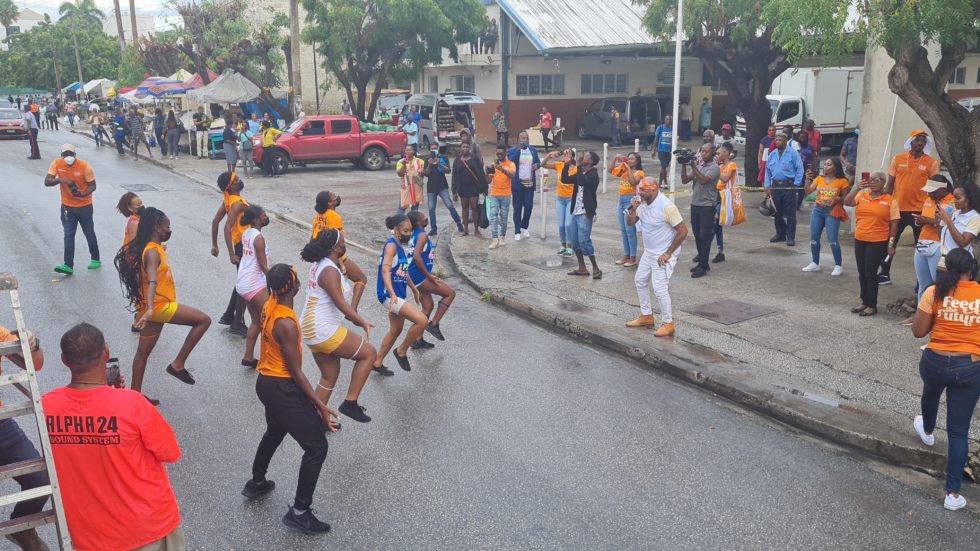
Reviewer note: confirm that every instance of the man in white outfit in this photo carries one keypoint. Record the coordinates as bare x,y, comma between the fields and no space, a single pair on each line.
663,232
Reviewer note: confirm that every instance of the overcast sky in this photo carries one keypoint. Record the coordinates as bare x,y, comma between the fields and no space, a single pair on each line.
164,15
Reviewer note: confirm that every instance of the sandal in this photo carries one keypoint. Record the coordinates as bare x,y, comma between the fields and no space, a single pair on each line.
868,312
858,310
183,375
597,274
578,273
251,364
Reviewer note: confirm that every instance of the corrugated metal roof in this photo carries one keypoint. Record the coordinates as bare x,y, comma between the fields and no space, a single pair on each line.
556,25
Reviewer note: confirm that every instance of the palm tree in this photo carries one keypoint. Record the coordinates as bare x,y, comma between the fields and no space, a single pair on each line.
8,13
80,13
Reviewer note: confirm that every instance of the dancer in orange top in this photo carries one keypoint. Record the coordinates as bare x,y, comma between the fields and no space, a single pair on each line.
327,218
232,206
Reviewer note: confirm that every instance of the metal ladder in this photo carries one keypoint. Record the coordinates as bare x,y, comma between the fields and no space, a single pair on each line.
26,382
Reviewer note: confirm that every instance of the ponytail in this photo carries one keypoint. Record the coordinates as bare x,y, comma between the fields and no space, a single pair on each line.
959,262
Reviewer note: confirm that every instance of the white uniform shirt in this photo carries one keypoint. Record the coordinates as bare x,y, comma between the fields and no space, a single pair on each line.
656,222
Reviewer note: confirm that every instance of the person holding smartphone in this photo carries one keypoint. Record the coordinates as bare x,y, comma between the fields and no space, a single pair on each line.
939,196
877,215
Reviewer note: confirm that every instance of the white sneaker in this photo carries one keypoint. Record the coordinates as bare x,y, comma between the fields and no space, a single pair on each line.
812,267
954,504
517,237
837,271
927,439
525,234
494,243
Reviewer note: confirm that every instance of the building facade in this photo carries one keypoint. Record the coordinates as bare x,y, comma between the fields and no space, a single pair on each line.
27,20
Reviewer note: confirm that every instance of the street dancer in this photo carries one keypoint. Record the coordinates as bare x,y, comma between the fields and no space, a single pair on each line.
131,206
76,181
420,272
663,232
252,269
232,206
393,285
148,284
328,296
327,217
291,407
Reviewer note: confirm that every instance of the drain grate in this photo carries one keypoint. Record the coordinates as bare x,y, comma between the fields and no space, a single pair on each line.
730,312
139,187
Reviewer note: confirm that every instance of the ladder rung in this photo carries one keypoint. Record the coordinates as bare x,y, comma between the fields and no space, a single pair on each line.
25,495
23,467
7,281
26,522
6,412
10,347
14,378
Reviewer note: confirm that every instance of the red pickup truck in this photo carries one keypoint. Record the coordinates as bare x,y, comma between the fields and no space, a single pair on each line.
317,139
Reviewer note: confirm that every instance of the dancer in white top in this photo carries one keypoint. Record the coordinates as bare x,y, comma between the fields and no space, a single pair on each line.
328,296
252,268
663,233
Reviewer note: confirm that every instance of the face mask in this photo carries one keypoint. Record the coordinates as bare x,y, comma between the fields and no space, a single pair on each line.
857,131
338,200
342,251
405,238
524,145
772,133
69,160
241,186
166,237
139,211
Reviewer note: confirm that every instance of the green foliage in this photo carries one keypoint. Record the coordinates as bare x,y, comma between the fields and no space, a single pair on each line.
82,13
131,68
28,62
735,21
8,12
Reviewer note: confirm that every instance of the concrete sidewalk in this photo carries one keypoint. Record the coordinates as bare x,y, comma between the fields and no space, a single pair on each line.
802,359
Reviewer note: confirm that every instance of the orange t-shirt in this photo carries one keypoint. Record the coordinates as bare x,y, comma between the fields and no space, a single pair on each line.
731,168
910,175
930,232
957,324
80,173
271,362
236,228
564,190
500,183
327,220
109,447
166,292
625,187
829,190
873,216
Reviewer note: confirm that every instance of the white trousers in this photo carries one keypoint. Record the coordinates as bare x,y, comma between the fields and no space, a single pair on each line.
202,143
649,273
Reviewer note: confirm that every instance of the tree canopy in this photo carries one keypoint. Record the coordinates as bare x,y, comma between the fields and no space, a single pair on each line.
9,12
362,41
82,12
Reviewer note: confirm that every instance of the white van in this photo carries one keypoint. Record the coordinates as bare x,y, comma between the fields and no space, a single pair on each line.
443,116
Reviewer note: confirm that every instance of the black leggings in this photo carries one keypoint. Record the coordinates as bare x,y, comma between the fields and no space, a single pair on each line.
869,255
906,220
288,411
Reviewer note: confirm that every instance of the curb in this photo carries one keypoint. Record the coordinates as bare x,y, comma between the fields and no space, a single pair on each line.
813,419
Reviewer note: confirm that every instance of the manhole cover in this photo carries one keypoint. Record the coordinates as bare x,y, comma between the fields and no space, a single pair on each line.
778,249
139,187
553,262
729,312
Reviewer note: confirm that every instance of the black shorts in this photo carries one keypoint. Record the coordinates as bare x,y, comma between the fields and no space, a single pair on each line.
664,157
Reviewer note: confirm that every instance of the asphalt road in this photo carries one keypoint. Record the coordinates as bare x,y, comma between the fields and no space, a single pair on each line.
504,437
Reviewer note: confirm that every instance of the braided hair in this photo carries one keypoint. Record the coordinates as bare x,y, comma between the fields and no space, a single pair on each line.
129,259
320,247
281,280
251,215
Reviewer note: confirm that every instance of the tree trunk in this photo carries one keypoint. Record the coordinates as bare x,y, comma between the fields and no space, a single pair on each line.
266,96
294,46
132,20
757,118
119,27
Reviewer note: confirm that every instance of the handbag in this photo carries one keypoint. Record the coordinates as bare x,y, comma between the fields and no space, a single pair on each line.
732,212
485,215
839,213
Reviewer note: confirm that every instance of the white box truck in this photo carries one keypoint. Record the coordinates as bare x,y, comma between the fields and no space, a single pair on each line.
831,96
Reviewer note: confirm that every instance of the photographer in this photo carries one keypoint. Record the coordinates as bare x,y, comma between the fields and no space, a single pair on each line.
437,187
703,201
77,182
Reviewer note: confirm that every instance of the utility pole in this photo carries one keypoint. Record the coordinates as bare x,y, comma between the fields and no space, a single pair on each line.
57,72
78,57
119,27
132,20
294,46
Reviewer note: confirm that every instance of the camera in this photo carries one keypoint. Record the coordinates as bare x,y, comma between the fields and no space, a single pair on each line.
684,156
490,170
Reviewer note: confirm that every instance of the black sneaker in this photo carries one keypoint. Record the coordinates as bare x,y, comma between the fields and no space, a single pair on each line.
183,375
351,409
700,272
720,257
240,330
422,344
884,280
383,371
253,490
305,522
402,361
435,331
226,319
777,239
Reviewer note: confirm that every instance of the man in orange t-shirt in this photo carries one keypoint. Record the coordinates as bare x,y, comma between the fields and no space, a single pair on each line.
77,183
499,197
109,447
907,174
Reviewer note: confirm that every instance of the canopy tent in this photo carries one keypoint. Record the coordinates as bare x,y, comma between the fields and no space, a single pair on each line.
73,87
161,86
230,87
195,80
98,87
135,96
181,75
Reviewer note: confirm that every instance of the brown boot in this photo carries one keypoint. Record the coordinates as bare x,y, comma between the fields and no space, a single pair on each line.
666,329
28,540
642,321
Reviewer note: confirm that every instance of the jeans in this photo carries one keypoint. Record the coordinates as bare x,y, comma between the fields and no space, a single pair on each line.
35,150
247,160
959,376
121,144
158,134
926,264
523,203
614,134
14,447
545,132
412,208
173,142
719,230
626,231
703,227
564,217
97,134
906,219
447,200
869,255
288,411
71,120
820,219
71,218
785,219
685,130
649,273
498,215
581,234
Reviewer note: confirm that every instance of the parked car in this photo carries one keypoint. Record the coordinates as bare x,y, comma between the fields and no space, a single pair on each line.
453,112
10,125
639,117
970,103
318,139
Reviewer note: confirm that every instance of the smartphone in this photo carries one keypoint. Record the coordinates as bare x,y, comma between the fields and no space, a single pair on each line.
112,372
865,176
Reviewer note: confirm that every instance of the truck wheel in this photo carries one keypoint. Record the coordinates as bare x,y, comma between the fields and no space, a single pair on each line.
374,158
580,132
279,161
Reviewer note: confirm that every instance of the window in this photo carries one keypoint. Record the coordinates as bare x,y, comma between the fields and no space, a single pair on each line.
462,83
540,85
315,128
434,84
958,76
788,110
978,75
604,84
340,127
